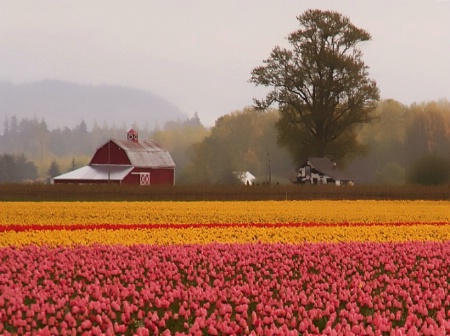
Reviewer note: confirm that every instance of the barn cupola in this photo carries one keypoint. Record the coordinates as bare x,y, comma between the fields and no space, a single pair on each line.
132,135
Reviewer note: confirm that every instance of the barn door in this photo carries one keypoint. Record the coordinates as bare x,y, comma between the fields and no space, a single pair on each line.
144,179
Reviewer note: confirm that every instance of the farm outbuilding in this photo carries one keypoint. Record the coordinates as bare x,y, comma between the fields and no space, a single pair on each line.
130,161
245,177
322,171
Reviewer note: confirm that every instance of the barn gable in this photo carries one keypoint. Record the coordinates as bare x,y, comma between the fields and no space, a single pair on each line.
110,153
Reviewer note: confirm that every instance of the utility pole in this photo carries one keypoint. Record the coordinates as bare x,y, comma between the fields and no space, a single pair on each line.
270,172
109,161
406,174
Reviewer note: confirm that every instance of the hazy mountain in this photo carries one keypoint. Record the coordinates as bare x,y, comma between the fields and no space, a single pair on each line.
64,104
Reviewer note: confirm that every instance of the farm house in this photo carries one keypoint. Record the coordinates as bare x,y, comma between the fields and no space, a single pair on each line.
130,161
322,171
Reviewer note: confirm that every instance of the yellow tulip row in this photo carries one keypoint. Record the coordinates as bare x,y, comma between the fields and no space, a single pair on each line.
232,234
50,213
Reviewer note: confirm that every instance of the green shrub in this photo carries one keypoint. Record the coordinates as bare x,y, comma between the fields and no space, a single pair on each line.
430,170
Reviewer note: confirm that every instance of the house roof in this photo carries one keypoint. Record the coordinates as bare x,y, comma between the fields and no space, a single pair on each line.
145,153
327,167
98,172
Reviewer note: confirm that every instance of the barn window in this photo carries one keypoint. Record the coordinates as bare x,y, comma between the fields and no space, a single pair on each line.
144,179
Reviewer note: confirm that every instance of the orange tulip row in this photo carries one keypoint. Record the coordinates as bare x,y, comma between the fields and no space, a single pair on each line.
51,213
163,223
291,234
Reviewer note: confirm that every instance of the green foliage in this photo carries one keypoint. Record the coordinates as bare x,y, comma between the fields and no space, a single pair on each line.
33,138
401,135
390,174
178,137
54,169
431,170
384,140
16,168
428,130
321,86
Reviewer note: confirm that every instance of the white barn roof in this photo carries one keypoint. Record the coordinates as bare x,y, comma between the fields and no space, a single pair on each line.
97,172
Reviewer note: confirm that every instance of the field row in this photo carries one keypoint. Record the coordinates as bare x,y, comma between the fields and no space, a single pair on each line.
226,289
225,268
50,213
222,233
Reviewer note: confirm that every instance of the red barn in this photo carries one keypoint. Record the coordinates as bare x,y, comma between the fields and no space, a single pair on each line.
130,161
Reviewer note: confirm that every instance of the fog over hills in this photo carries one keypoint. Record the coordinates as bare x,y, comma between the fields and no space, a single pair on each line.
65,104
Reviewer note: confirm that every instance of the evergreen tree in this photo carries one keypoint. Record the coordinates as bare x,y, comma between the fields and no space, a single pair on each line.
54,169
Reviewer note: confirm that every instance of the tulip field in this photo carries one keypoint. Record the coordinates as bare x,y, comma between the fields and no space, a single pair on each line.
225,268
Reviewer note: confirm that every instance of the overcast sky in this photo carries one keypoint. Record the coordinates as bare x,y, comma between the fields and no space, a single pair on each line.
199,54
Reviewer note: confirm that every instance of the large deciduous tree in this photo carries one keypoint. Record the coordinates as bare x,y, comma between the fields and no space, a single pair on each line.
321,86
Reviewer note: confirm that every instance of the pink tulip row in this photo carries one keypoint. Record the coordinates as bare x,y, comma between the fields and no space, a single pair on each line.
219,289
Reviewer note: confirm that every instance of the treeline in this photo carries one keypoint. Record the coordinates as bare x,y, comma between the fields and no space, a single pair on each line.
238,142
64,149
405,143
33,138
70,148
402,145
16,168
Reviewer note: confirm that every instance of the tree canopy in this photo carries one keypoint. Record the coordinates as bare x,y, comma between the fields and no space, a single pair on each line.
400,137
54,169
16,168
240,141
431,170
321,86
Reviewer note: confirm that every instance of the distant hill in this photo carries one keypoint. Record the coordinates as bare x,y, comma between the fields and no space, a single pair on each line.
65,104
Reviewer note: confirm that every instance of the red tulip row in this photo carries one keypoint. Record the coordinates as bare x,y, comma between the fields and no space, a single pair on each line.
270,289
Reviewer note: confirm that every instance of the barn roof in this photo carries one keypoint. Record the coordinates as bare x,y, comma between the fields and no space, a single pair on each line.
97,172
328,167
145,153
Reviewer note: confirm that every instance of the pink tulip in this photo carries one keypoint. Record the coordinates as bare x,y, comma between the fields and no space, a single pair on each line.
124,288
86,324
212,330
96,331
413,331
302,327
